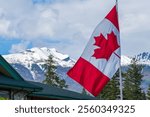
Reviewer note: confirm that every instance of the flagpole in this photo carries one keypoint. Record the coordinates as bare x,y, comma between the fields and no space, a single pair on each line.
120,74
117,5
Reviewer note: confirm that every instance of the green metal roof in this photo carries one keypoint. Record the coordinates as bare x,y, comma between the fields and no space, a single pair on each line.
6,82
9,70
58,93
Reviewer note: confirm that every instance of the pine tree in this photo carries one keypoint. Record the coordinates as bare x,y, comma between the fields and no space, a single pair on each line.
144,95
148,93
84,92
52,78
132,82
111,90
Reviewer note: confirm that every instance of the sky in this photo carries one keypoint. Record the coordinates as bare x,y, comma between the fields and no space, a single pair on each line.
68,24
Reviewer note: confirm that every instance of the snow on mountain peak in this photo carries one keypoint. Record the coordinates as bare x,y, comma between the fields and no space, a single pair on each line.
125,60
143,58
39,55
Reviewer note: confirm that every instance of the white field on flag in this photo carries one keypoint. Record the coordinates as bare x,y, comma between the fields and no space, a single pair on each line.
107,67
101,58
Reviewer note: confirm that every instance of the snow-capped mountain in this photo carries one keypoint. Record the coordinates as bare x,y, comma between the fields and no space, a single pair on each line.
30,62
39,55
143,58
125,60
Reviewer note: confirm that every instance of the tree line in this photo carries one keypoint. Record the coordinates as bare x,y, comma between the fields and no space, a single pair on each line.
132,79
132,90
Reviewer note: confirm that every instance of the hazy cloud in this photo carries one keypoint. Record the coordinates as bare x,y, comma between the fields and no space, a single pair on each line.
19,47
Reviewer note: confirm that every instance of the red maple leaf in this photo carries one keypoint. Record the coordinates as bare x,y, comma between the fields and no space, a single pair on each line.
106,46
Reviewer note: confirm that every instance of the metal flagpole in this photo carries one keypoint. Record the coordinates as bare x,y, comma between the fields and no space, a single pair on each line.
121,92
120,74
117,5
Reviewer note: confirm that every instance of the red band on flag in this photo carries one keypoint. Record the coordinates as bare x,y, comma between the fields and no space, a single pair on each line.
88,76
113,17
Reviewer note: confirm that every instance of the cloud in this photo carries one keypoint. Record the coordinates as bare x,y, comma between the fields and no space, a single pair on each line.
135,25
19,47
134,16
70,22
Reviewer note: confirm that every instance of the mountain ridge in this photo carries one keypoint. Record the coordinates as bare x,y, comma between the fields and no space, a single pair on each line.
29,64
37,55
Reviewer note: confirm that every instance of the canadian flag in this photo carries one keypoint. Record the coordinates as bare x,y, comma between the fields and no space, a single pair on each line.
101,57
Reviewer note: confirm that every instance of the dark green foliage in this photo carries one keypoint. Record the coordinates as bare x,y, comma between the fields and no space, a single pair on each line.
148,93
132,79
84,92
52,78
144,95
111,90
3,98
132,82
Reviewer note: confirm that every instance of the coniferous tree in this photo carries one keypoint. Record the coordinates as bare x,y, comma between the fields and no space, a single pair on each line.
132,82
111,90
84,92
52,78
148,93
144,95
